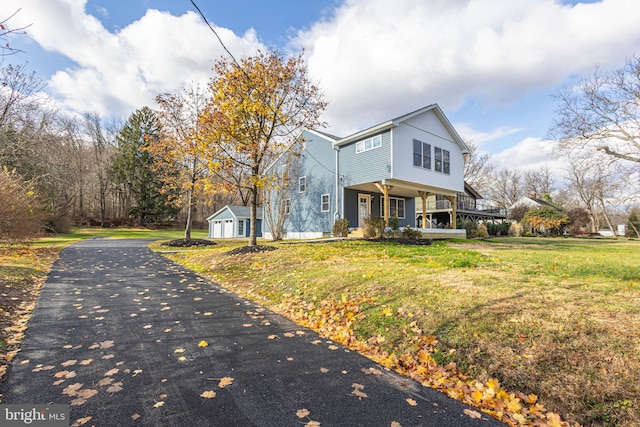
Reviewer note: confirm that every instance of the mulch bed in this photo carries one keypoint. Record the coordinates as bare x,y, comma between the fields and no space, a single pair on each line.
243,250
187,243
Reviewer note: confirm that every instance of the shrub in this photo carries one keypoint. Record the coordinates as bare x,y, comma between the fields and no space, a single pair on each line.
498,229
481,231
19,208
546,220
58,225
374,227
411,233
340,228
394,224
470,226
515,230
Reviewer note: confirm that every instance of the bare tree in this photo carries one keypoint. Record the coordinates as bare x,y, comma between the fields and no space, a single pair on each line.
602,113
16,89
596,183
506,187
478,169
540,182
5,31
101,134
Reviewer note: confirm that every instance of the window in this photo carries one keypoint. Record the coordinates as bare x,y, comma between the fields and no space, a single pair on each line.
421,154
241,227
324,203
286,206
369,144
445,162
302,184
396,207
442,160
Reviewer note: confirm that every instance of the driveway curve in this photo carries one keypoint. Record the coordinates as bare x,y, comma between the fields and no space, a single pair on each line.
127,337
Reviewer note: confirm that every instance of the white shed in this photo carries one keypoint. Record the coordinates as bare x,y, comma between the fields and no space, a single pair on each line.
233,222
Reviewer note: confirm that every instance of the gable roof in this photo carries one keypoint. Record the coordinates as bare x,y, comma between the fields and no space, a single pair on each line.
238,212
389,124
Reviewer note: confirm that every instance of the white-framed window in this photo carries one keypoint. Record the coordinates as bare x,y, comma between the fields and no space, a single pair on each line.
441,160
421,154
369,144
324,203
241,227
286,206
302,184
396,206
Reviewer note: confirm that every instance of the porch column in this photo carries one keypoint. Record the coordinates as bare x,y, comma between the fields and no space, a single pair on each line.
452,200
423,196
384,189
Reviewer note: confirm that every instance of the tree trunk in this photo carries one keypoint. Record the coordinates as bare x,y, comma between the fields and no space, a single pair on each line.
187,229
253,241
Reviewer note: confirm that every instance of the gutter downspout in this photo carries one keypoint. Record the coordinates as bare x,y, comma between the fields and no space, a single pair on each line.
336,213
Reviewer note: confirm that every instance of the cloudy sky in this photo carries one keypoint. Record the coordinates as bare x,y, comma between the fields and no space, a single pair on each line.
492,65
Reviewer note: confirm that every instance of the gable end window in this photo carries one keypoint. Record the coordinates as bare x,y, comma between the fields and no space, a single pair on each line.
302,184
421,154
442,160
369,144
324,203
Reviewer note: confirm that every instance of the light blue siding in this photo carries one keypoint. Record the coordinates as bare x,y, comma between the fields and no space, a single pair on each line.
368,166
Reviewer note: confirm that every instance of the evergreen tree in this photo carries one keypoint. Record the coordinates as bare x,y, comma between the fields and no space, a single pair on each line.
132,169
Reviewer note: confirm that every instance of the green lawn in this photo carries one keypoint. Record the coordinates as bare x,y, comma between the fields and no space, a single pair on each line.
556,317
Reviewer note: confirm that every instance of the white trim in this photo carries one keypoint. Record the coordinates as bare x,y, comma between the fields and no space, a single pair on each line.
300,181
328,196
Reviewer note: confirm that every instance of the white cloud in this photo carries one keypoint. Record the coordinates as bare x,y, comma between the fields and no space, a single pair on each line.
479,138
117,73
376,59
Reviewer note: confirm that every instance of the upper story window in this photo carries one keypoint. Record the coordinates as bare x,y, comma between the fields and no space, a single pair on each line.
324,203
302,184
369,144
421,154
286,206
441,160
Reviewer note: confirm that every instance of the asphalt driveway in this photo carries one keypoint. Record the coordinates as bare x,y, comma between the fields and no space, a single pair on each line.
127,337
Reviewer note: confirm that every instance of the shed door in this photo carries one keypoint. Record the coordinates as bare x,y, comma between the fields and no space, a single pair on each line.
217,229
228,228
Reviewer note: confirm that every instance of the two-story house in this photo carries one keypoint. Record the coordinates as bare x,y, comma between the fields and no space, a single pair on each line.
378,171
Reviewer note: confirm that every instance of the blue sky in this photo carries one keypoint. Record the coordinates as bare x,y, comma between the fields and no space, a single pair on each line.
492,65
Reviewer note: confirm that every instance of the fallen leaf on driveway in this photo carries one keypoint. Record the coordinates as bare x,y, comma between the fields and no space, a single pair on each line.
158,404
179,350
203,343
81,421
225,382
302,413
472,414
209,394
412,402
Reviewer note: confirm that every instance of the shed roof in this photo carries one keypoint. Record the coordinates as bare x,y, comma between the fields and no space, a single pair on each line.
238,212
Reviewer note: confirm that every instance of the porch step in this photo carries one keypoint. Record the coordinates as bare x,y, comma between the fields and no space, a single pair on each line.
357,233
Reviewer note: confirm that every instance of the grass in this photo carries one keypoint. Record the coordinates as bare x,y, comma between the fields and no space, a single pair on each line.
559,318
556,317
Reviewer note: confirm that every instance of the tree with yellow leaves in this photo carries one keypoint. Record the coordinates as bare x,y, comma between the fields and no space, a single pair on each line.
258,108
179,144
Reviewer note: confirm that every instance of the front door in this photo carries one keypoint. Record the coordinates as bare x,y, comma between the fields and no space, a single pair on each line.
364,208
